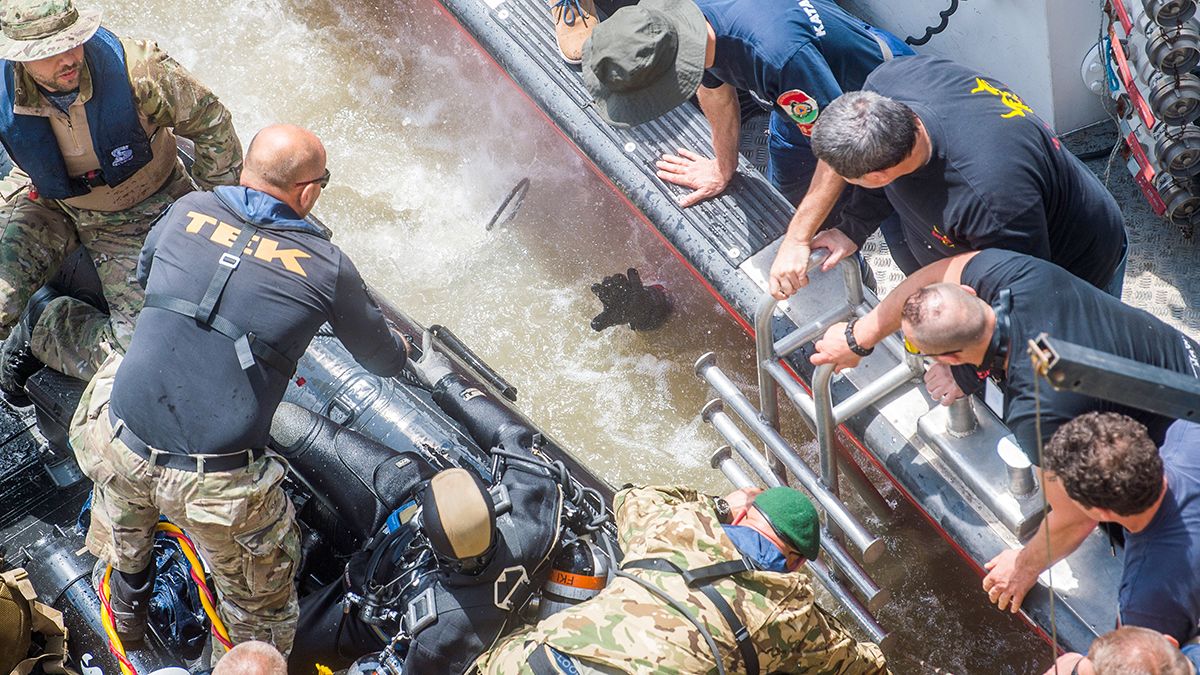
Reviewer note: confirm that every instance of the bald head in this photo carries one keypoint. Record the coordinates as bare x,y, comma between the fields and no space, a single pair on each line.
252,658
282,155
945,318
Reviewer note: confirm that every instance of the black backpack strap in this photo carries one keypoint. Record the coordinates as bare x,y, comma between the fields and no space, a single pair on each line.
702,578
246,344
226,264
542,661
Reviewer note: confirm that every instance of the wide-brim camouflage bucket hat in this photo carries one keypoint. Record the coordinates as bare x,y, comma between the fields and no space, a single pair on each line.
37,29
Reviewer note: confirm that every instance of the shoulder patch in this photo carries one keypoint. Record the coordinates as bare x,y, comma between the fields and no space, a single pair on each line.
801,107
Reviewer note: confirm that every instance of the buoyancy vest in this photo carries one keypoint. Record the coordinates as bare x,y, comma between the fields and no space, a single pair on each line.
118,137
462,615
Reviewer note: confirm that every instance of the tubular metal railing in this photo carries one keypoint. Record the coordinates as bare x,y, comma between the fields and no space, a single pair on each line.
838,571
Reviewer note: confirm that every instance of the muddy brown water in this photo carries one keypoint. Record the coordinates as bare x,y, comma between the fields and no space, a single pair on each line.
425,138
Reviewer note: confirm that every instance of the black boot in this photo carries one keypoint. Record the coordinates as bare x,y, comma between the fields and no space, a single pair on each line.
130,603
17,362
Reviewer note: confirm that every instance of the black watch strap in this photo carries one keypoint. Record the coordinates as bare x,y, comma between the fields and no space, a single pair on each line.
852,343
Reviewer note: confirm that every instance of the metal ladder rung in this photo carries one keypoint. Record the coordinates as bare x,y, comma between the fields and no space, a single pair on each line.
841,518
862,614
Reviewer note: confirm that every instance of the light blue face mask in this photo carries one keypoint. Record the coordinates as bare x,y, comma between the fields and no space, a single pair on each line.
757,548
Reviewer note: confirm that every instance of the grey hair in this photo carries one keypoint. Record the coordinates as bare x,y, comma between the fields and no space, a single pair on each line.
1132,650
861,131
252,658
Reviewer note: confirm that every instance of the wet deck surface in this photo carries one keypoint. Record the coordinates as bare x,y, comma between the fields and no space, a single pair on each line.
1163,273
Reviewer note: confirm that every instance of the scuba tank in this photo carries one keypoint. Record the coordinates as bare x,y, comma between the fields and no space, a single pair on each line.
580,571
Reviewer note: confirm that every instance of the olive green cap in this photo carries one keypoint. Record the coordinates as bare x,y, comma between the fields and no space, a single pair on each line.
793,517
645,60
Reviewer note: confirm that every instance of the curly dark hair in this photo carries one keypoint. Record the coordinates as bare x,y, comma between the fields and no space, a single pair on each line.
1106,461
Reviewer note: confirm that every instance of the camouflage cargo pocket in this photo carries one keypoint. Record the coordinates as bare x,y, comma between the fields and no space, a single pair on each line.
270,556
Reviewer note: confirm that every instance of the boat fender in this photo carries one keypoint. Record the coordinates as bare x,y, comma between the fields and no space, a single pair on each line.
360,479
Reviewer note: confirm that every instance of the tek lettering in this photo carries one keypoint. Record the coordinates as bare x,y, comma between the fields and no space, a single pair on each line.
263,248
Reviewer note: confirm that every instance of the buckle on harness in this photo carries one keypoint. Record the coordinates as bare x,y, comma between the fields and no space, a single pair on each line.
229,260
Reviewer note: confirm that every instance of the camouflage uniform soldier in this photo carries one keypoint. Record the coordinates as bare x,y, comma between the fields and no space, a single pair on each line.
628,628
237,284
90,120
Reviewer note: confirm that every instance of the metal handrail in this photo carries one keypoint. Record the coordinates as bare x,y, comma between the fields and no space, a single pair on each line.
723,460
870,545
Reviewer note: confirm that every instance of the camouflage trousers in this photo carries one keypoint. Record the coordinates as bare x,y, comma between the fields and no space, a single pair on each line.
71,336
242,522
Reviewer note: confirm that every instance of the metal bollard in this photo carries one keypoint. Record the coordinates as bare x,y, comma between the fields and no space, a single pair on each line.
1021,482
962,421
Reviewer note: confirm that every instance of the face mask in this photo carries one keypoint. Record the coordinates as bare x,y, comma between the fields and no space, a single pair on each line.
757,548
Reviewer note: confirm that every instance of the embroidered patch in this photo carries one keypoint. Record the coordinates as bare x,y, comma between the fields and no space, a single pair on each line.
801,107
946,241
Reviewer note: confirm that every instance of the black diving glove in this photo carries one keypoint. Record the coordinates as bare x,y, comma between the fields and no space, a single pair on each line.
627,301
432,366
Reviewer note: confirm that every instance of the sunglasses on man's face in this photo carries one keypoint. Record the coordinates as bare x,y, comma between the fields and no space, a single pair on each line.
912,349
323,180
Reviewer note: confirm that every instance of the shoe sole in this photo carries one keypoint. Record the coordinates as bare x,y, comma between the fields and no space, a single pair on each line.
573,62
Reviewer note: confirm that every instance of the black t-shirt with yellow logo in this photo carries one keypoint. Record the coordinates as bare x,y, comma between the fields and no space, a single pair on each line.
998,177
181,387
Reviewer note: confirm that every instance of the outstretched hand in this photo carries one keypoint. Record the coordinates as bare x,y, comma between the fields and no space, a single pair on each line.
694,171
1008,580
832,348
789,272
432,366
839,245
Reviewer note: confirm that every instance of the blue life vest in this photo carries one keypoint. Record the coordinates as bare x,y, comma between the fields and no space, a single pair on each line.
118,138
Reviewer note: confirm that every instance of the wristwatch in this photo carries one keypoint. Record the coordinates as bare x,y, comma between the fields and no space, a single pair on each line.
724,512
852,343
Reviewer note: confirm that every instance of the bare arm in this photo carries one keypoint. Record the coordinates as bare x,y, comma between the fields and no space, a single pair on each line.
708,177
1012,573
885,318
789,271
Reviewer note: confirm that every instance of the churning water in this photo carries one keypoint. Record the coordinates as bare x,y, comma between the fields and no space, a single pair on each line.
425,139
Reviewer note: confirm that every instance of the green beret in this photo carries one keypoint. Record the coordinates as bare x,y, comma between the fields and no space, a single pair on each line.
793,517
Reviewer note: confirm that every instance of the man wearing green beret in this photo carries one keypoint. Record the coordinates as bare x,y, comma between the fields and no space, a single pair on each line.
741,554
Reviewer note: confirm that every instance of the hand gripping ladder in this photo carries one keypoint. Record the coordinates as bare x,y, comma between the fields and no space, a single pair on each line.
829,298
